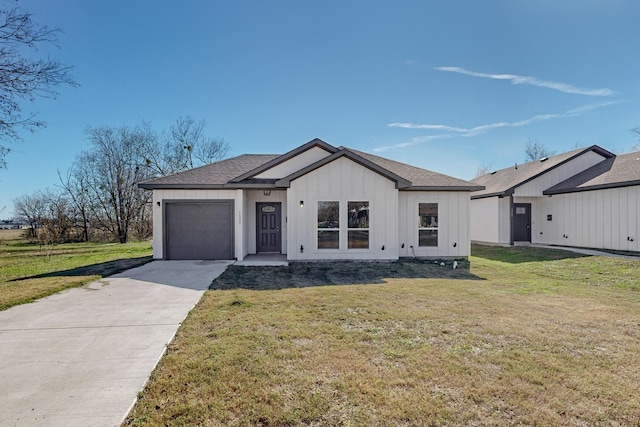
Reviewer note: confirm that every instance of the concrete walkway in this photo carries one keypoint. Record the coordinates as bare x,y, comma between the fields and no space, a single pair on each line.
591,252
79,358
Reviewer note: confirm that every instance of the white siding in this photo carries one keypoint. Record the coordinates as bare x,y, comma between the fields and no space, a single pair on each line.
491,220
534,188
158,224
256,196
294,164
453,223
602,219
485,220
342,180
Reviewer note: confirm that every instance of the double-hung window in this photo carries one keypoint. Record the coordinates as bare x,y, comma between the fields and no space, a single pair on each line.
358,225
329,225
427,224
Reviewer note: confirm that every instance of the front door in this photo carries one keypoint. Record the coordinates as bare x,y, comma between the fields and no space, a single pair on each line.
522,222
269,236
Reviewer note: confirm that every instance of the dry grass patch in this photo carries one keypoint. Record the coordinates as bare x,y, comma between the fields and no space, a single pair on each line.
524,345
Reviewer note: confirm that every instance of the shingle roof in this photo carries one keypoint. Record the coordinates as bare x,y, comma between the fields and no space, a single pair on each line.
238,172
211,175
417,176
619,171
502,182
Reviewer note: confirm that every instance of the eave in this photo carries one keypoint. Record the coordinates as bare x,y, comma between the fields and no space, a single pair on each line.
592,187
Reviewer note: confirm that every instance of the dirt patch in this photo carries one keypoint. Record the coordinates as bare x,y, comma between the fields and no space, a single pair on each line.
306,274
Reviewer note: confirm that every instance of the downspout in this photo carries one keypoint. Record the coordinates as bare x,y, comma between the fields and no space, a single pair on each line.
512,218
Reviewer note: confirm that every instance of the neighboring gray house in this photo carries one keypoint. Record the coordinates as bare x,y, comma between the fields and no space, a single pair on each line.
316,202
585,198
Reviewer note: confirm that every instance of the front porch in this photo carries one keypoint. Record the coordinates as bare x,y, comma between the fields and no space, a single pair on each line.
260,260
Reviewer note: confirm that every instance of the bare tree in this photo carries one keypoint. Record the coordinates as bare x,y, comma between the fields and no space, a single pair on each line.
57,218
101,186
23,76
188,135
113,167
483,169
30,208
183,146
536,151
636,132
75,185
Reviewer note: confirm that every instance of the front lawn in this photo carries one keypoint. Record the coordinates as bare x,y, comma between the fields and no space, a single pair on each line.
525,336
30,271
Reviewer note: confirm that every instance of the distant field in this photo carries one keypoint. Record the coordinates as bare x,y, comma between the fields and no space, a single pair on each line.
525,336
7,235
31,271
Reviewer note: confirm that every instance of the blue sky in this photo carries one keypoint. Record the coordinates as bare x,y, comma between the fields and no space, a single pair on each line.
445,85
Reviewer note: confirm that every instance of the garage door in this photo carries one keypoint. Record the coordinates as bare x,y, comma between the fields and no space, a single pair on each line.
199,229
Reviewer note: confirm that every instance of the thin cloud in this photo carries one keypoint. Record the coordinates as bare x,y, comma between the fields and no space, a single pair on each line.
526,80
416,141
477,130
430,127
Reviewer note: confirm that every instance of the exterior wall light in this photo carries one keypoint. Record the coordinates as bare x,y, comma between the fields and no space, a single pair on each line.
302,203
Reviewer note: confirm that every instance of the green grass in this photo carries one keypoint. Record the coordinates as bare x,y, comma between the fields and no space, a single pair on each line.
29,271
525,336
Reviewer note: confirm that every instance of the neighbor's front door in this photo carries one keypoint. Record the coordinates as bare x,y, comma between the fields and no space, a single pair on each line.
522,222
269,235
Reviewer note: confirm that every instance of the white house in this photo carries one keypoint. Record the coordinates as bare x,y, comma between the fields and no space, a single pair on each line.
584,198
316,202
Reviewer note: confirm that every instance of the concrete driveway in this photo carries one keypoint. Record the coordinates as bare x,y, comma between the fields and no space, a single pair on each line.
79,358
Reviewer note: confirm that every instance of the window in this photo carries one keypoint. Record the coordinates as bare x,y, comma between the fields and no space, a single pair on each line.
328,225
358,227
427,224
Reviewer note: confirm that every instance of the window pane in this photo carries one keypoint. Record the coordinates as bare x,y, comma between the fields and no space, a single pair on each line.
328,215
358,239
428,215
358,214
428,237
328,239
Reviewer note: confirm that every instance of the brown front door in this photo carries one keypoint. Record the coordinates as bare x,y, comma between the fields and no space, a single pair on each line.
269,235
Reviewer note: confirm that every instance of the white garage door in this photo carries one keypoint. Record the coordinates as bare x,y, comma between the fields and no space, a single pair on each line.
198,229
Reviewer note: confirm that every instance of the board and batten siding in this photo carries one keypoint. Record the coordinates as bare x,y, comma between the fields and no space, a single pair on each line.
294,164
342,180
535,187
601,219
490,220
453,223
179,194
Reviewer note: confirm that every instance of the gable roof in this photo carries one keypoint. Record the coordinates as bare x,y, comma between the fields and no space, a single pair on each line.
618,171
401,182
284,157
504,181
240,172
